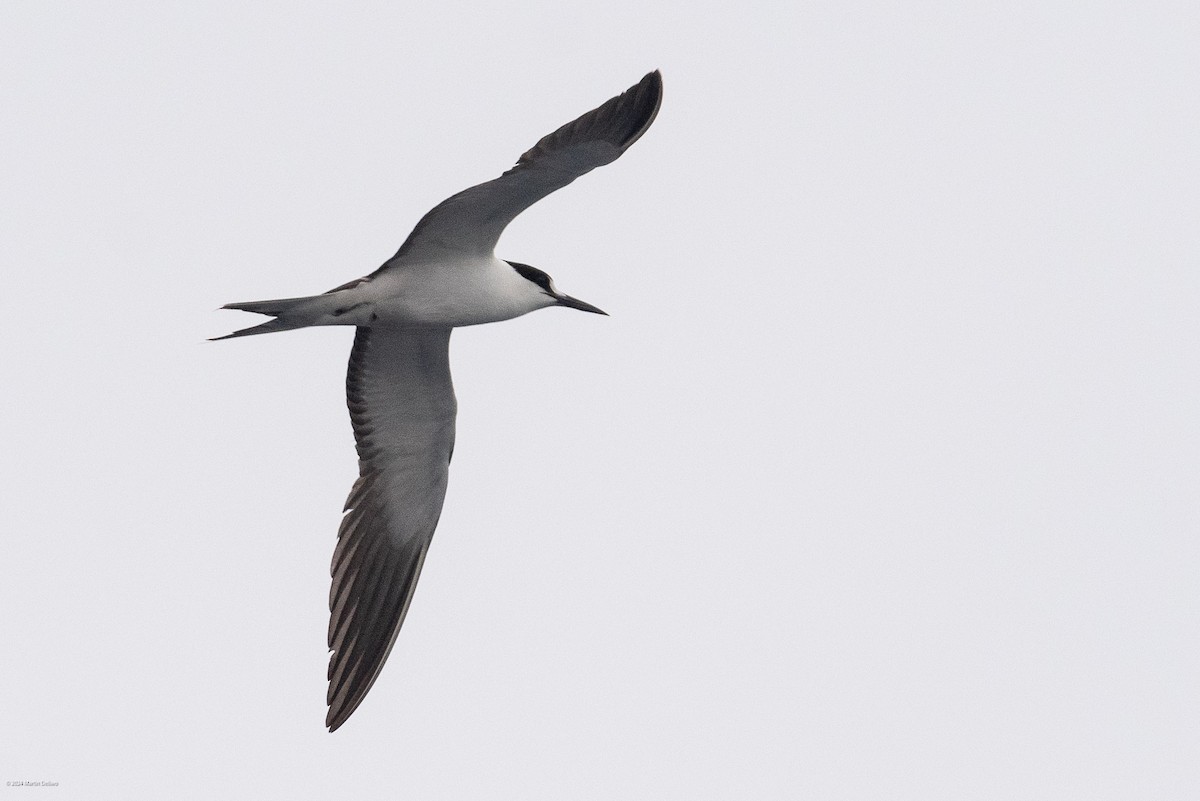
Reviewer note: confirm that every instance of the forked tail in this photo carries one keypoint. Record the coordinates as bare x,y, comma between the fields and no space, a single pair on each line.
289,313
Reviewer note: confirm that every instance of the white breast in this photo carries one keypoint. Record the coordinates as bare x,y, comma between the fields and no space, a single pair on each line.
453,292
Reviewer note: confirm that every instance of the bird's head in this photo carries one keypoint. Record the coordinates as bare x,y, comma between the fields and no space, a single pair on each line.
543,286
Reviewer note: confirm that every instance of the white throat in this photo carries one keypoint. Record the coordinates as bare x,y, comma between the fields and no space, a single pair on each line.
463,291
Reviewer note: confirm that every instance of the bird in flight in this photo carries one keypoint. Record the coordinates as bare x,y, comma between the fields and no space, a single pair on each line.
398,387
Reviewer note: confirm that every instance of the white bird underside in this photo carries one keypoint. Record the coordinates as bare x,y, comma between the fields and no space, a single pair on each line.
398,385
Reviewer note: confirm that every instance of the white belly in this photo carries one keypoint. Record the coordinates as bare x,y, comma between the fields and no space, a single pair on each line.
452,293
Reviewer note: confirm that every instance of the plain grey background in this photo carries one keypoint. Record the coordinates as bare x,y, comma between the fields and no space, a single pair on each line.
880,481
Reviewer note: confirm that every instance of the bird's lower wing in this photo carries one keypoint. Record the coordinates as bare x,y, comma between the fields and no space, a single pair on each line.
403,408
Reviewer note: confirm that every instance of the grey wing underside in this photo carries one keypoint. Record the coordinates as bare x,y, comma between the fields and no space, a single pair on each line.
403,409
473,220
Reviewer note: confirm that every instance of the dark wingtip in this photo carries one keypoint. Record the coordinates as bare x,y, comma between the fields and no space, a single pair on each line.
338,715
620,121
648,95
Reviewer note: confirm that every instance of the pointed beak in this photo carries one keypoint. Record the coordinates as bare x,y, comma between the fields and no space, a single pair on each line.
574,303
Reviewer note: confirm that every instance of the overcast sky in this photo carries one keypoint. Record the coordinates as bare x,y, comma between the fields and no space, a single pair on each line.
880,482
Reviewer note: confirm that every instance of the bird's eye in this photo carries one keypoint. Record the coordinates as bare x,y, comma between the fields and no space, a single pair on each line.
534,275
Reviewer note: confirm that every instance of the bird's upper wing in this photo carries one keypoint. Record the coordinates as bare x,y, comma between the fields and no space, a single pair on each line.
472,221
402,406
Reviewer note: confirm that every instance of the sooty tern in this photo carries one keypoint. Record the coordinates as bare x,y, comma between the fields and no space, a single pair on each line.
398,387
